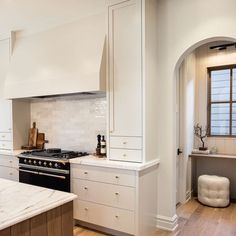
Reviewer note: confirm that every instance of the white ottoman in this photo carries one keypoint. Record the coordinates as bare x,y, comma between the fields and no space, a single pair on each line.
213,190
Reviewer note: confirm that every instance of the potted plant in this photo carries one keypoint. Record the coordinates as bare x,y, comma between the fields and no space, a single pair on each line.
201,134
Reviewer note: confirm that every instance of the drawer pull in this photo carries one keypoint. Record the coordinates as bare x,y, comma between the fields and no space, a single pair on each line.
86,208
3,136
117,194
85,188
85,172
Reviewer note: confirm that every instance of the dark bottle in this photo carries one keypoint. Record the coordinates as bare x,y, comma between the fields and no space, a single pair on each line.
98,149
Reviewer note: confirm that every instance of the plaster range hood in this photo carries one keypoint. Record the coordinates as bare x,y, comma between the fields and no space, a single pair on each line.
65,60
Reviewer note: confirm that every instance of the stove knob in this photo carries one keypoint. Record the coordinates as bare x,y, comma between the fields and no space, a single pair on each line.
25,160
35,162
45,163
30,161
50,164
56,165
40,163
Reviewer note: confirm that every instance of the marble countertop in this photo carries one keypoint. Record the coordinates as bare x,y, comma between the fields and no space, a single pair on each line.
104,162
11,153
19,201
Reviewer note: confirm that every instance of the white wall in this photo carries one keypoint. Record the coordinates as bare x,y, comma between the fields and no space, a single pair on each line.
208,58
183,26
71,122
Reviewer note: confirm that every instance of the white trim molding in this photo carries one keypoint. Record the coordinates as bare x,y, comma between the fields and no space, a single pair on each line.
167,223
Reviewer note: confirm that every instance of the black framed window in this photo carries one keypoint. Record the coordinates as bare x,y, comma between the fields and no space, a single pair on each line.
222,100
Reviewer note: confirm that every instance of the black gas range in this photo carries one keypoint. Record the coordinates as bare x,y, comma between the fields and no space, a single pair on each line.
48,168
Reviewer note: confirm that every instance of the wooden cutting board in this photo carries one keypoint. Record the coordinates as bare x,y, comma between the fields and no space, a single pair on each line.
40,141
33,132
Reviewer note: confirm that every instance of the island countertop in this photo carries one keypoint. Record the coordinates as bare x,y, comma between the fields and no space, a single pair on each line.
19,202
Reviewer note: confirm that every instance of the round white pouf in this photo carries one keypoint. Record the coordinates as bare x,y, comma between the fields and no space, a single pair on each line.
213,190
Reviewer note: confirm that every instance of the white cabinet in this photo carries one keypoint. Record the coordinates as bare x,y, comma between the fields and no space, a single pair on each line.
14,115
125,75
120,200
125,69
106,197
9,167
132,80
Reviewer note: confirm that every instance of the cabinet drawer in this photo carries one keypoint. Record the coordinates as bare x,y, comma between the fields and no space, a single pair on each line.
5,136
8,161
105,175
9,173
126,155
112,218
126,142
6,145
107,194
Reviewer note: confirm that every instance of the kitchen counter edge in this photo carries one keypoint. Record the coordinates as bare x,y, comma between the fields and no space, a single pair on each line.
104,162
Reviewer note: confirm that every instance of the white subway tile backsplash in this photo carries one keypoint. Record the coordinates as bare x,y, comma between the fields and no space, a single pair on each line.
70,122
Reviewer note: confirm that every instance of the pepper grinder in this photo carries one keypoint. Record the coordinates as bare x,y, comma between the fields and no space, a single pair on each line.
98,149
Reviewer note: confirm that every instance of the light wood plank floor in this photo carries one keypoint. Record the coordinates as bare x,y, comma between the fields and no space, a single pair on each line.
194,220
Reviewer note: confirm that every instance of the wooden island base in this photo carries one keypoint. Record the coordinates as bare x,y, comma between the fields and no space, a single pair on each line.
56,222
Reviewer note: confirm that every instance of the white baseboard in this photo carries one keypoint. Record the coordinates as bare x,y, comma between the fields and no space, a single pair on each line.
167,223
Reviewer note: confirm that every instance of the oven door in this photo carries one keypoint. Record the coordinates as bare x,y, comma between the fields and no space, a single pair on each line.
47,179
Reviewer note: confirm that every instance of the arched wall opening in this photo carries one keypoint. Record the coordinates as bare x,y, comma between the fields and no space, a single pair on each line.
186,117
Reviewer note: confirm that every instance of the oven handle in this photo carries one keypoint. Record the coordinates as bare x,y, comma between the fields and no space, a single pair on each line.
51,175
29,171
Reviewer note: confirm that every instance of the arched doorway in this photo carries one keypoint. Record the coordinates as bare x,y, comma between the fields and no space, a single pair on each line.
184,119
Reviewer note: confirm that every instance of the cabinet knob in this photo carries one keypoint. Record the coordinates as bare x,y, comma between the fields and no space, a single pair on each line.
86,208
3,136
85,172
11,174
124,155
85,188
10,161
124,142
117,216
117,194
117,177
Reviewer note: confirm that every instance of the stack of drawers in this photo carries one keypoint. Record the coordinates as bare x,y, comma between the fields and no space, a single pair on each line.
126,148
106,197
6,141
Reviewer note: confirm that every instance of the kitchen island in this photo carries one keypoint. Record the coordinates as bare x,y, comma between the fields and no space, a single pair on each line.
27,210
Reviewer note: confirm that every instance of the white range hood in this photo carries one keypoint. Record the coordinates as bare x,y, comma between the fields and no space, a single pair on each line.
64,60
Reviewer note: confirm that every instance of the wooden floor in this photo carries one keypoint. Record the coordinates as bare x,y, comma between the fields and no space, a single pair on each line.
194,220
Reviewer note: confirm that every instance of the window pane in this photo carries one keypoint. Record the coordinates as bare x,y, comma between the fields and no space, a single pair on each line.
234,85
234,119
220,85
220,119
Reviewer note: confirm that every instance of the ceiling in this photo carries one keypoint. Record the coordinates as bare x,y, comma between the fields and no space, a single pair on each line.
28,16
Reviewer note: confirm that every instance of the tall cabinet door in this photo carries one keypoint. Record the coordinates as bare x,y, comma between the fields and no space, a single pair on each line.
5,105
125,69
